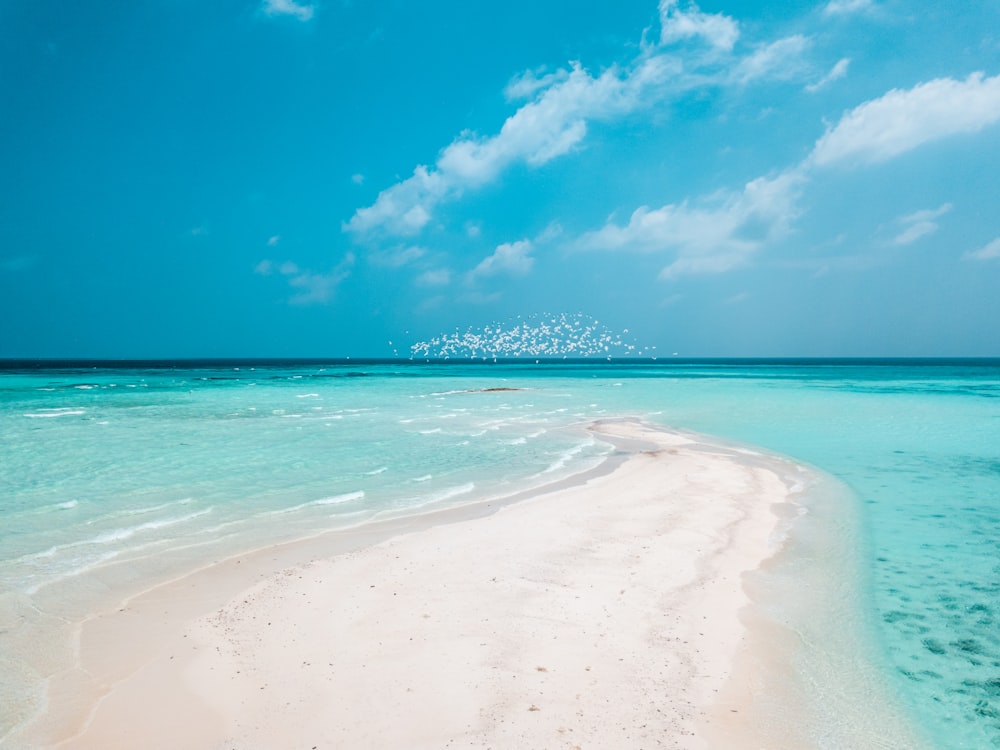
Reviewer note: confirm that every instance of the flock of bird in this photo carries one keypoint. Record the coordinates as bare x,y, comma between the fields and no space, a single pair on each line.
546,335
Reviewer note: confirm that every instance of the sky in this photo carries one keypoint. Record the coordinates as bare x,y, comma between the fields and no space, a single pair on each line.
319,178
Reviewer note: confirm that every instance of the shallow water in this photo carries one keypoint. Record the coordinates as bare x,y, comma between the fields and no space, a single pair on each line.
152,471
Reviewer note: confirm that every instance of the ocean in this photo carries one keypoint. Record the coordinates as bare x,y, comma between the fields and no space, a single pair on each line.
116,476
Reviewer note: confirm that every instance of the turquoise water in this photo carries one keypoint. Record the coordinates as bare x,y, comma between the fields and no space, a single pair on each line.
134,474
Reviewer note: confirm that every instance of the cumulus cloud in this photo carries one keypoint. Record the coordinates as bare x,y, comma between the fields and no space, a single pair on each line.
901,120
438,277
310,288
990,251
509,258
550,125
837,72
719,31
721,235
528,83
779,59
291,8
919,224
846,7
397,257
560,105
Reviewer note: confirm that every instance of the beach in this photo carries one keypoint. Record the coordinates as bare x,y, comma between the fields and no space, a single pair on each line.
604,612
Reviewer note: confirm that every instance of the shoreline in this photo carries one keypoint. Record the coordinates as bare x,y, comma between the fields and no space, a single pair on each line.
617,612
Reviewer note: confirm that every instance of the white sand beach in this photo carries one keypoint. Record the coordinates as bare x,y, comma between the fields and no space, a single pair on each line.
599,614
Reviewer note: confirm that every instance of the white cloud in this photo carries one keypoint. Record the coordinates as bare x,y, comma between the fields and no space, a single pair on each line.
901,120
560,105
274,240
528,83
845,7
720,31
319,288
287,8
397,257
549,126
718,237
310,288
439,277
510,258
779,59
990,251
919,224
837,72
358,179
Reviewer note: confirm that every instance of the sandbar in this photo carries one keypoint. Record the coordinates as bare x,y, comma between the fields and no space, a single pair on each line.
600,613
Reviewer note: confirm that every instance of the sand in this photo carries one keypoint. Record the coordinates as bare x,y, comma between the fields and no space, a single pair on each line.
604,613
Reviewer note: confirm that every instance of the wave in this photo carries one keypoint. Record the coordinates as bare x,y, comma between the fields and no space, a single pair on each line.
126,512
61,412
334,500
565,457
115,535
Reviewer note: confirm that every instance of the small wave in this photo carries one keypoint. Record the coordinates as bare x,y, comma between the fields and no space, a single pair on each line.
307,395
451,492
67,505
139,511
517,441
430,432
425,478
115,535
334,500
565,457
47,413
377,471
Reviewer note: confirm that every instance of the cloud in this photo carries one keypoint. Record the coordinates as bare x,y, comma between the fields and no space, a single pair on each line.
358,178
714,238
397,257
310,288
837,72
846,7
560,106
319,288
509,258
291,8
719,31
780,59
901,120
528,83
919,224
439,277
550,125
274,240
990,251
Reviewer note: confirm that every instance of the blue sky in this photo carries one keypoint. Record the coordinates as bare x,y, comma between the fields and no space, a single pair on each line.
292,178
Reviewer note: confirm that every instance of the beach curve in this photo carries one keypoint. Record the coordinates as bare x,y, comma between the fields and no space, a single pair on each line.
604,613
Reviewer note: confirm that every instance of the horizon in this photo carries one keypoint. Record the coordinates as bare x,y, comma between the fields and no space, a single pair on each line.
722,179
